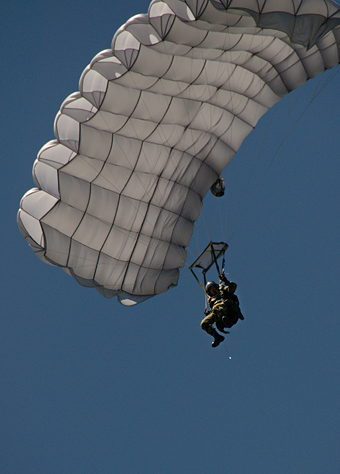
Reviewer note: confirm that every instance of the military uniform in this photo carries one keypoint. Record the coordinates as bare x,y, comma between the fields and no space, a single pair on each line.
223,303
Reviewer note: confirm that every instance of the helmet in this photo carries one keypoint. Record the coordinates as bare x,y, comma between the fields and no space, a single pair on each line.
209,285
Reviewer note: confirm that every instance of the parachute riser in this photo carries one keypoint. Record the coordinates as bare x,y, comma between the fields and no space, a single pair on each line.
215,260
200,284
208,258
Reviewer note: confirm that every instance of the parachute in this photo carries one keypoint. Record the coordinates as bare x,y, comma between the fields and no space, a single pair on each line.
156,120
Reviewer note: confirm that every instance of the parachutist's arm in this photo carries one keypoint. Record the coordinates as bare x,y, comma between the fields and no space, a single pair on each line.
223,278
226,285
229,287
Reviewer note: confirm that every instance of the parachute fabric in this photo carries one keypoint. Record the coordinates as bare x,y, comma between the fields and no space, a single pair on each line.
156,120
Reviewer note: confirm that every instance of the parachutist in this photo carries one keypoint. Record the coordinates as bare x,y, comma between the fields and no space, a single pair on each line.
224,308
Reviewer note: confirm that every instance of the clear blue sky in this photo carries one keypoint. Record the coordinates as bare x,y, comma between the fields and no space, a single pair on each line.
89,386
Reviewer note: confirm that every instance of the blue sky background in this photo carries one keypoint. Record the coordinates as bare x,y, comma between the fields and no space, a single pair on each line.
89,386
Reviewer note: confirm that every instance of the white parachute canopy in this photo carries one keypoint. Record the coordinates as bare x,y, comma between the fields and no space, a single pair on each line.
156,120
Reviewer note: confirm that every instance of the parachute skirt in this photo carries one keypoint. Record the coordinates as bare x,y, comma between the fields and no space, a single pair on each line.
156,120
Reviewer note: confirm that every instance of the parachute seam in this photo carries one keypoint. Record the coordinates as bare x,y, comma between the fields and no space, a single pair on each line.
147,268
298,8
28,235
85,213
185,127
123,230
146,140
162,36
297,58
202,10
300,59
140,200
230,62
213,105
160,122
156,176
170,240
88,202
139,233
149,204
131,170
153,194
55,251
42,229
241,67
187,84
199,48
323,50
146,213
118,202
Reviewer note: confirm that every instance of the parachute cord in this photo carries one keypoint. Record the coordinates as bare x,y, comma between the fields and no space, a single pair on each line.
239,214
226,348
207,228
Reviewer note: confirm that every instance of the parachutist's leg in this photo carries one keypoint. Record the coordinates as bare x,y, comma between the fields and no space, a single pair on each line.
217,338
207,326
221,327
221,312
226,321
208,321
230,314
235,311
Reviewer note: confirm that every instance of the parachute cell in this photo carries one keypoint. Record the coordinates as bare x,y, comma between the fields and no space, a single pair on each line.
157,119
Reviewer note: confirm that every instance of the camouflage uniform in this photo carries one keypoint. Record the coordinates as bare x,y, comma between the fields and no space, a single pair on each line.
224,303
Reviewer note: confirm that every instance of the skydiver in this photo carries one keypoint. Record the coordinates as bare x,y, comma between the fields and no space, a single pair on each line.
224,308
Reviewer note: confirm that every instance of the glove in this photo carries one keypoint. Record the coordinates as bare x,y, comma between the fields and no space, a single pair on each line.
223,278
206,311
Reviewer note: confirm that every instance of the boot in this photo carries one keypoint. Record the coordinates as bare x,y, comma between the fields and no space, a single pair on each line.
217,338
